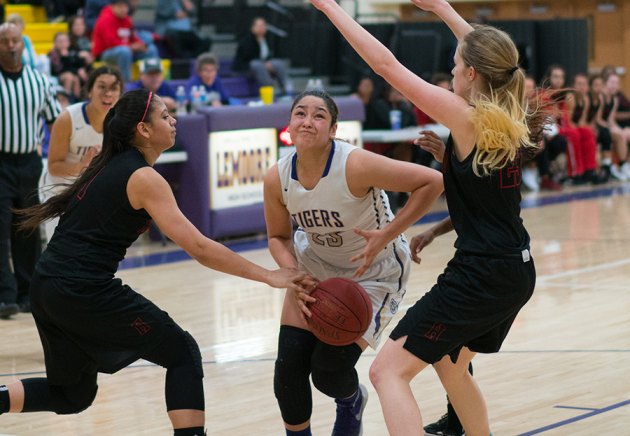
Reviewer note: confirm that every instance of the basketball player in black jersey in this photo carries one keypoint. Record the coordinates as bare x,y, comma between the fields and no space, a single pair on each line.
88,321
491,276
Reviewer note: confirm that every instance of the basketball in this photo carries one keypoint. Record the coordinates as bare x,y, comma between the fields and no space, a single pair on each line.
342,312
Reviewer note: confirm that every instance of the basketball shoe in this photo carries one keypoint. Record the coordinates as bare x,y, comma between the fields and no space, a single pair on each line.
444,427
349,413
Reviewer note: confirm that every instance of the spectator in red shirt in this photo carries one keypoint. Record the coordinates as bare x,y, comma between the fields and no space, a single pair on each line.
114,40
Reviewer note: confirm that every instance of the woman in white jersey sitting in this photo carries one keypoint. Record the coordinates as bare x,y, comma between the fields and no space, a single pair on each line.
335,194
77,134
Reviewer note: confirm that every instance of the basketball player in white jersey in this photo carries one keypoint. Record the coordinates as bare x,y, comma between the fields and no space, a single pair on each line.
77,135
335,194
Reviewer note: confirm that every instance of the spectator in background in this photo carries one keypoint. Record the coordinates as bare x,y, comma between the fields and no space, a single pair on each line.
601,114
79,40
26,96
114,40
581,146
365,91
620,136
152,79
28,54
67,66
253,54
173,24
622,117
443,80
207,75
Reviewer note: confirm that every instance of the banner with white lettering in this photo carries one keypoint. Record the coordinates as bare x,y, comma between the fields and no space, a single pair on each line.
239,160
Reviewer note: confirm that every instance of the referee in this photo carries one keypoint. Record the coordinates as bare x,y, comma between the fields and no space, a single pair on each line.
26,96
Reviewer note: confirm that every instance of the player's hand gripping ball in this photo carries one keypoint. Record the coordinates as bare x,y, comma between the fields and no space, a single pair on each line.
342,312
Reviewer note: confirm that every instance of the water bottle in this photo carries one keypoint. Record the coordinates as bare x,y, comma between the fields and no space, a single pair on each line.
180,96
195,97
288,88
202,96
310,85
319,86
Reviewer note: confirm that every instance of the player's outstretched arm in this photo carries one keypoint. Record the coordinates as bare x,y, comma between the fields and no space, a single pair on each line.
148,190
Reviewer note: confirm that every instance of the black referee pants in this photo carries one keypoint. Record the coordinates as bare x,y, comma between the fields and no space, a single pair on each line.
19,178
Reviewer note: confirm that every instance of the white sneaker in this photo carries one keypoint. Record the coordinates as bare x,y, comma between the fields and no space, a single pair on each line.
625,168
617,173
530,179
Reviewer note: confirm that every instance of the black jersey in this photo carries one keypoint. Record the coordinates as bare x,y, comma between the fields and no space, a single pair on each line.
485,211
99,225
609,102
578,110
593,107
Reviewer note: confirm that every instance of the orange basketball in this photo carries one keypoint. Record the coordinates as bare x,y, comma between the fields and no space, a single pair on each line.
342,312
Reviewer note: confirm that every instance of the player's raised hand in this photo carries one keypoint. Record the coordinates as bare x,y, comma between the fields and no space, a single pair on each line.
431,142
418,242
319,4
428,5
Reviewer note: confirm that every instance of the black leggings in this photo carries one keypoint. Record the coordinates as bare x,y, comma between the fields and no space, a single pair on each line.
178,353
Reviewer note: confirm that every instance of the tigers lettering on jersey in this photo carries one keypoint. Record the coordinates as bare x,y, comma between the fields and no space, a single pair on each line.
318,218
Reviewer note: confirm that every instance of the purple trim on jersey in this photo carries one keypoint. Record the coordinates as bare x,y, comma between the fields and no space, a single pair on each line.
330,158
84,112
294,175
377,317
294,167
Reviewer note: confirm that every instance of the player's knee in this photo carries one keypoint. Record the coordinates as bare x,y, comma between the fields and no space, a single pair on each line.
376,373
333,370
291,385
73,400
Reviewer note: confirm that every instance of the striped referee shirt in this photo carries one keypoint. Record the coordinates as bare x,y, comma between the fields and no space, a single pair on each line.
25,98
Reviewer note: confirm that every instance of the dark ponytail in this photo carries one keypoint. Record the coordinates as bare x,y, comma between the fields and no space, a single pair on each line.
119,128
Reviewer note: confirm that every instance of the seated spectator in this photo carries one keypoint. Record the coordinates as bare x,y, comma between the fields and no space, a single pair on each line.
207,75
152,78
600,124
28,55
620,135
365,90
581,145
67,66
114,40
79,40
443,80
173,24
253,54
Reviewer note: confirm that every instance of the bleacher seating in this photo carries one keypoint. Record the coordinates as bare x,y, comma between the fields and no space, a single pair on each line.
43,34
29,13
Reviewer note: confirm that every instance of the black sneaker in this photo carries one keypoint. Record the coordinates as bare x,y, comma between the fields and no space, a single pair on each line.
442,427
348,421
25,306
8,309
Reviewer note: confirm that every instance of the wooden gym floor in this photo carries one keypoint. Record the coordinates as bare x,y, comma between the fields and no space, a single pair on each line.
563,370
